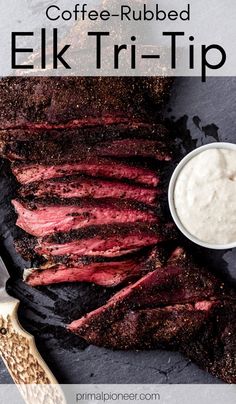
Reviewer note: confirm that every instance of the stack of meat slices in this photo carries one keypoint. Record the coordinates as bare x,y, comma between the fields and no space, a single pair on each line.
89,191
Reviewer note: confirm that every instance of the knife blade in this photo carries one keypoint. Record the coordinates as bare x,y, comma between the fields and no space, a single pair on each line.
4,277
20,355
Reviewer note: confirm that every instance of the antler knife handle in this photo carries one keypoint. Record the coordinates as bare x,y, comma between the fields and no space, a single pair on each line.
21,357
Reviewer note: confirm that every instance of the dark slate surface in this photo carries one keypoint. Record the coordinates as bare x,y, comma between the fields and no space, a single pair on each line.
200,113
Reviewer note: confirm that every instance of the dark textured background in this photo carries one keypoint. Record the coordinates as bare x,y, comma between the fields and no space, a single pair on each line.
199,113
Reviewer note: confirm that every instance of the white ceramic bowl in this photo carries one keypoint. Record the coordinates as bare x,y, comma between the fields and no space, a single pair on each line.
184,161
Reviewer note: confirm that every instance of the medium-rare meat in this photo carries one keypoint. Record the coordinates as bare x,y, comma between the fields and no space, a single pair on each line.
80,187
47,217
28,173
65,151
171,307
105,241
107,274
101,272
42,218
30,100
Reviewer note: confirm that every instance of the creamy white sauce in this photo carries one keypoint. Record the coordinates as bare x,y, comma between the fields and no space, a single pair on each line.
205,196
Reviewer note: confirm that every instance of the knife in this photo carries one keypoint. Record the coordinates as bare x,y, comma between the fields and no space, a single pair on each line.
19,352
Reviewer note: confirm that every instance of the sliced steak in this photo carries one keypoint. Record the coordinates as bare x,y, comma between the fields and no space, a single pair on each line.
106,241
91,130
108,274
28,173
41,219
80,187
72,124
98,271
65,151
135,148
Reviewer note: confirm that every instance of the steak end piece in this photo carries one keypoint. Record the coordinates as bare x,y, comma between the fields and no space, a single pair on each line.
178,307
166,327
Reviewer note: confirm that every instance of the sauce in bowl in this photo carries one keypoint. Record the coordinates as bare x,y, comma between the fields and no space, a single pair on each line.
204,196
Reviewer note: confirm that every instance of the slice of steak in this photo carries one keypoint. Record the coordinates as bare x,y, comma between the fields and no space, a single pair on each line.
28,173
135,148
81,187
65,150
181,280
105,241
91,130
108,274
43,218
98,271
72,124
28,101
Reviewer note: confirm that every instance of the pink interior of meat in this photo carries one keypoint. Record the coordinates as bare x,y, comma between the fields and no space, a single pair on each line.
85,187
107,274
44,220
28,173
204,305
